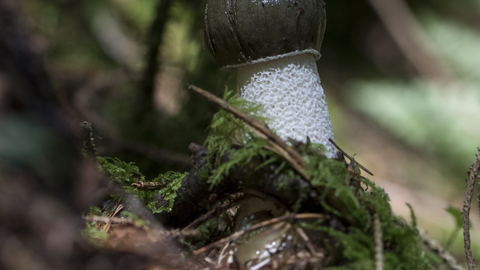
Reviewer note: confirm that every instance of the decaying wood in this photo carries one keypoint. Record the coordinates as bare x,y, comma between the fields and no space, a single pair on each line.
155,246
194,195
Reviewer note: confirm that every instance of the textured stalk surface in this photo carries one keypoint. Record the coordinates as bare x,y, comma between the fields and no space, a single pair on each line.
290,91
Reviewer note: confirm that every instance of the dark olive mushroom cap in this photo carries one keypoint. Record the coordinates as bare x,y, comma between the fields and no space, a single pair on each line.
241,31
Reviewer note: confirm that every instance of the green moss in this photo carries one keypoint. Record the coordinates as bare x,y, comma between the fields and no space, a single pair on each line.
94,211
120,171
126,173
94,236
403,246
354,205
227,131
169,193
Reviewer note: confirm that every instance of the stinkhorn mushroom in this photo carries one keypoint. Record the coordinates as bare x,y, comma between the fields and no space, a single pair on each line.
274,45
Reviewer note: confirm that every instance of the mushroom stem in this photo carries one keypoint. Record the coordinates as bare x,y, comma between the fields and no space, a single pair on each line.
290,92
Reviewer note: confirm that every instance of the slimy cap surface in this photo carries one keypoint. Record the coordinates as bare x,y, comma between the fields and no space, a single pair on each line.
241,31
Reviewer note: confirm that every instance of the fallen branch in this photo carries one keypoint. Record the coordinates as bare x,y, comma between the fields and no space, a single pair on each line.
473,174
193,197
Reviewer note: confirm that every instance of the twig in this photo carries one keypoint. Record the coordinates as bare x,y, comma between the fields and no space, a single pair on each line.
436,248
378,236
282,148
107,220
478,194
307,241
119,207
131,221
350,158
353,175
212,213
257,226
473,174
176,233
149,185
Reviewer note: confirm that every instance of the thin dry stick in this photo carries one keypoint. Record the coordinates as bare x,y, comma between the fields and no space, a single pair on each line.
282,148
119,207
478,193
149,185
305,238
258,226
378,235
436,248
175,233
212,213
107,220
350,158
473,174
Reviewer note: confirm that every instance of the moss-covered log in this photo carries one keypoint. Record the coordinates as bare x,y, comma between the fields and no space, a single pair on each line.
195,195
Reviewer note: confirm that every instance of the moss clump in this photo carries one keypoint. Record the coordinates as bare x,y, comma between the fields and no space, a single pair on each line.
169,193
127,173
94,235
225,133
336,190
354,204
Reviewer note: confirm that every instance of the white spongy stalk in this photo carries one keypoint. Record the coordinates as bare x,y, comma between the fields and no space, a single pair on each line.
293,99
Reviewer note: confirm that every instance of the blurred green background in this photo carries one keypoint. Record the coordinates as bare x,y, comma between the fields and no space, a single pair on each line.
401,80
